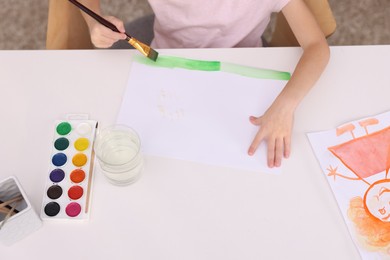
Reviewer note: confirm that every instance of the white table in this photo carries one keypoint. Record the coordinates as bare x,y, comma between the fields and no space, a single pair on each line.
183,210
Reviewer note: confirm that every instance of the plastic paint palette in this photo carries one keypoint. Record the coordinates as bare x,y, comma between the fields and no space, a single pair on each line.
68,184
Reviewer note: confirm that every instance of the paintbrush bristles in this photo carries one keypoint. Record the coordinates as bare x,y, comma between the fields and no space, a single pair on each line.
153,54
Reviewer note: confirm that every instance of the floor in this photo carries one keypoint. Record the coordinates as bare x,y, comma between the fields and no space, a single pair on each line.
23,23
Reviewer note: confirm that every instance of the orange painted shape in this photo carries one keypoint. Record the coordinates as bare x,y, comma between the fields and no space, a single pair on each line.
373,190
366,155
345,128
375,233
367,122
388,159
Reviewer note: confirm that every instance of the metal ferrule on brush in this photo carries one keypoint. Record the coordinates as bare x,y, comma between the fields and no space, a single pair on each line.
143,48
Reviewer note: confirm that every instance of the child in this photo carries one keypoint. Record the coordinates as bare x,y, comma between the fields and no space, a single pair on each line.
237,23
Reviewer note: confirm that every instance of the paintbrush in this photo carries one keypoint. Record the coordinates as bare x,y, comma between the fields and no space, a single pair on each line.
9,214
8,207
90,175
6,203
142,47
16,201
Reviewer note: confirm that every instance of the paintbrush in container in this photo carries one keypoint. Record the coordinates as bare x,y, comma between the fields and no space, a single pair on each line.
9,212
142,47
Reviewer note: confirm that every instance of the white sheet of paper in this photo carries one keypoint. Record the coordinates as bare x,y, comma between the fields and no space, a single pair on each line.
347,189
198,116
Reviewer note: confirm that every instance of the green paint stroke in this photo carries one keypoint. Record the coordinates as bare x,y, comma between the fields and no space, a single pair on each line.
255,72
189,64
177,62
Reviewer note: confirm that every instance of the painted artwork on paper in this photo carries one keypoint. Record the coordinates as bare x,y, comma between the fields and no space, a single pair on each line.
197,110
355,158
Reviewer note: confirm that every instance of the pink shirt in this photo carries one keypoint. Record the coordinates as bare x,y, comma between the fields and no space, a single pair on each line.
211,23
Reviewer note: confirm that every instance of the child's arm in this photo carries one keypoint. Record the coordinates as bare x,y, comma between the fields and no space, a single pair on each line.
101,36
276,123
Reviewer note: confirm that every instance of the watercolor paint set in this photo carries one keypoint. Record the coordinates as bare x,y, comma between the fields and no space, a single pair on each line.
69,180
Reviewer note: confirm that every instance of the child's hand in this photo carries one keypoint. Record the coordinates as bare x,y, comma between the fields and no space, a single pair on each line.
275,130
103,37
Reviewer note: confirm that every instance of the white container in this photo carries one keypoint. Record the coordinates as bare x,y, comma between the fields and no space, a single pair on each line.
25,221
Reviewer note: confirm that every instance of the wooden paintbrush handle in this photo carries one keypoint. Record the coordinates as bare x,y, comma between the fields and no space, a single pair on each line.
95,16
15,199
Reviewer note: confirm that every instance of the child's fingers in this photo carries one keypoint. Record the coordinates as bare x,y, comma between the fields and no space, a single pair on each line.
287,146
103,42
255,143
108,33
279,146
102,31
103,37
117,22
255,120
271,153
259,136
